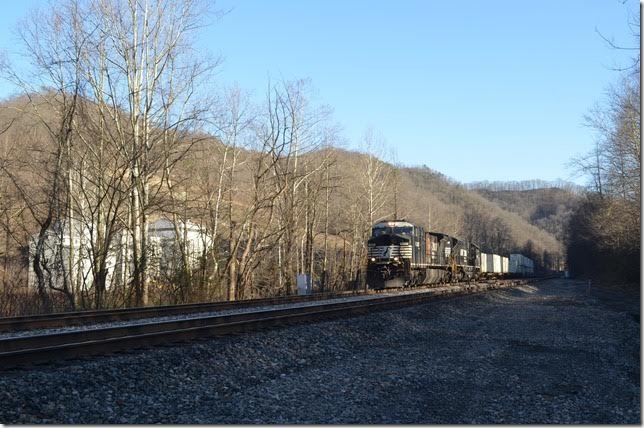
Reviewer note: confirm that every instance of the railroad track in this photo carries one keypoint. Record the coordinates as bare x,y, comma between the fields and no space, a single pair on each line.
67,319
39,348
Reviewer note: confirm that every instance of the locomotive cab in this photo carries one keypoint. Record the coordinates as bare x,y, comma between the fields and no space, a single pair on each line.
393,246
386,241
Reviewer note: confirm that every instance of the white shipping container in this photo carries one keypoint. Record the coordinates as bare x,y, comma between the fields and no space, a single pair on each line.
515,263
484,263
490,263
504,264
497,263
521,265
529,265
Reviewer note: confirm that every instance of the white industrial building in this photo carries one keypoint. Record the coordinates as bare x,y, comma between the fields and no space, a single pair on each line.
164,255
165,246
55,262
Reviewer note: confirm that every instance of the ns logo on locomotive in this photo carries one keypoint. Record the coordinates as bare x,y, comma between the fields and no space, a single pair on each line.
402,254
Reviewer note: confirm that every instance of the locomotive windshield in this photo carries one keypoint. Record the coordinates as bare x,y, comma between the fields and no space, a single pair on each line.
378,231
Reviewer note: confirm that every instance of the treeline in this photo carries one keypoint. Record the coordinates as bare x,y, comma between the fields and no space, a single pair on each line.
524,185
604,230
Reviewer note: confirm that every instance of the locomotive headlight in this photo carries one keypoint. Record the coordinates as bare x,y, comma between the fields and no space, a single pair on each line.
373,259
395,259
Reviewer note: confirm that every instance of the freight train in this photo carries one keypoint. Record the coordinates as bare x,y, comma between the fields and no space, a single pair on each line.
402,254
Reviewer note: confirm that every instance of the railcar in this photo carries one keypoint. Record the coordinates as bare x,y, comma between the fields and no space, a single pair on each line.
402,254
520,266
493,266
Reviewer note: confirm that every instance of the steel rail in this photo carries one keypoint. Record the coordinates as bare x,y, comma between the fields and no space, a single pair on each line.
18,351
66,319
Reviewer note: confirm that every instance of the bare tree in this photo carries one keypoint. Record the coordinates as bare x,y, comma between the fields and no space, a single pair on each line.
375,182
152,77
55,43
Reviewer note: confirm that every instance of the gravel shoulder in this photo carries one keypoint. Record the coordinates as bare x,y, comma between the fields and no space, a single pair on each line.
553,352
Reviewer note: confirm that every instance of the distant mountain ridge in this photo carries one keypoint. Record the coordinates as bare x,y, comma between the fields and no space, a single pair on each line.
525,185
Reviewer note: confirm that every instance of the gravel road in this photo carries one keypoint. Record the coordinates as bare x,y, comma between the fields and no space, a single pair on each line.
553,352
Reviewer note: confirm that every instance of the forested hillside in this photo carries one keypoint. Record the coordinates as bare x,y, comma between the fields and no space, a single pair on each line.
604,236
604,239
281,211
115,141
547,208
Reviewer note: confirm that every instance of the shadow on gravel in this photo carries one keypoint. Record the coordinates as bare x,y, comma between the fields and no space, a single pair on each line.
548,353
525,346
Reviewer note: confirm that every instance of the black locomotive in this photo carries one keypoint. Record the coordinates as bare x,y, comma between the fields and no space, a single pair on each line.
402,254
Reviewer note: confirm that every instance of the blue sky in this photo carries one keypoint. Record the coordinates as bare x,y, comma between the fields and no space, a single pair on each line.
478,90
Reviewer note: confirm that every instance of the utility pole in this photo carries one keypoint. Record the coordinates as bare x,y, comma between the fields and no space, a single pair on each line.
395,193
396,204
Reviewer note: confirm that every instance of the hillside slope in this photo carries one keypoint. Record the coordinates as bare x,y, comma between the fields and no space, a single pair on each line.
429,198
548,208
287,209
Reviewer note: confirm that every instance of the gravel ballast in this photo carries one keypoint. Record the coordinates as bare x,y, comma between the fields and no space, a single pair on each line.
551,352
220,312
